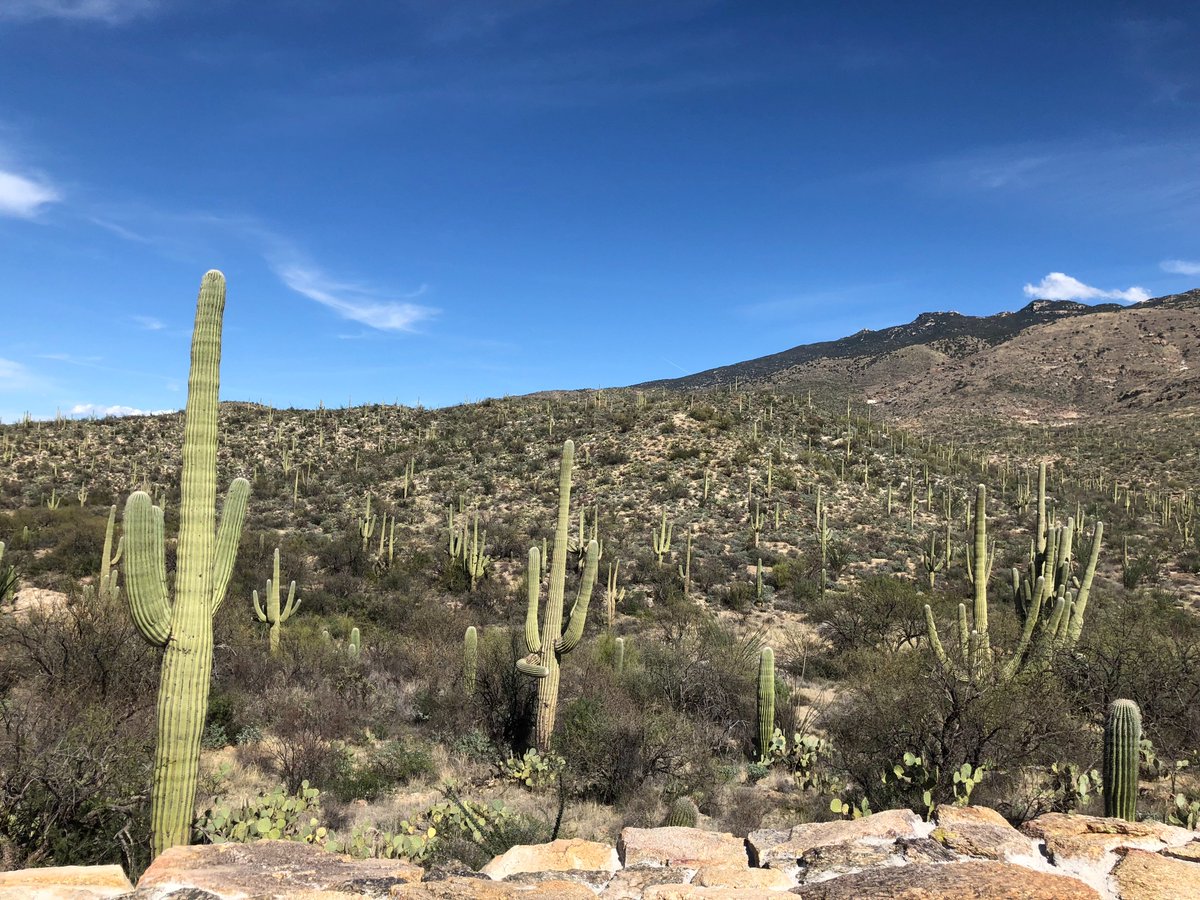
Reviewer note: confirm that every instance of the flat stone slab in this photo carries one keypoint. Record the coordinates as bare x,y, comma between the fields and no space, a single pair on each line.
981,832
64,883
770,849
457,887
970,880
632,883
1085,843
743,877
1142,875
269,869
673,846
562,855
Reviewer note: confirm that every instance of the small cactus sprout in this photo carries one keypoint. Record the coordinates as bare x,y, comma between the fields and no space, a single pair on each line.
1122,735
470,659
619,656
682,814
354,646
766,702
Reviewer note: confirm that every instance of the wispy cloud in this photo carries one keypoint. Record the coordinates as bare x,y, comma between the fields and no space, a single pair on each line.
15,376
1180,266
149,323
22,197
113,12
92,410
1060,286
1109,178
352,301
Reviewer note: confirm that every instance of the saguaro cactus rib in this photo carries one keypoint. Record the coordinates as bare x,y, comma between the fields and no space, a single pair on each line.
204,564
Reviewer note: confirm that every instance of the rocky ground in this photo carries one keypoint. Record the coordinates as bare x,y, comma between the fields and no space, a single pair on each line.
967,852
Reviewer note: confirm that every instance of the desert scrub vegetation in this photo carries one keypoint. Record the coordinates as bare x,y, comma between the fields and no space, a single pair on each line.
804,525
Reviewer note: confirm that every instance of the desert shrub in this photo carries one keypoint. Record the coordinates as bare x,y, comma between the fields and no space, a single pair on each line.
905,703
880,612
77,689
383,770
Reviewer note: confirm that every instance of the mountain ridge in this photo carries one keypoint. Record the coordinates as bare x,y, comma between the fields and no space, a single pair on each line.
1138,358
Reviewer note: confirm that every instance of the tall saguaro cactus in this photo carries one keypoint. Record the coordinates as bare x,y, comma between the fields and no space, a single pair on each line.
547,649
205,557
1122,736
275,614
766,701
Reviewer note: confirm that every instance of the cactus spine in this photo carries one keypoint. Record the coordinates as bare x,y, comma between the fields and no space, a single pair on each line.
766,701
1122,735
547,649
275,615
205,559
470,659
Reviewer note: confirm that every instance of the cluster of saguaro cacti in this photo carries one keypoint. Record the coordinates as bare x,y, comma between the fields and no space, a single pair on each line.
276,614
205,560
1052,611
766,701
470,659
465,546
1122,737
554,641
106,585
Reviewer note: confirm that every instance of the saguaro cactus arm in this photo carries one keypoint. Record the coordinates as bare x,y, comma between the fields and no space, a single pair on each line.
579,610
145,569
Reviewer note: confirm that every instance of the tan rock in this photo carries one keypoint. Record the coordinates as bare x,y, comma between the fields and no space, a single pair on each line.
64,883
680,847
970,880
981,832
881,828
458,887
1189,852
269,869
743,877
1142,875
562,855
1087,844
693,892
631,884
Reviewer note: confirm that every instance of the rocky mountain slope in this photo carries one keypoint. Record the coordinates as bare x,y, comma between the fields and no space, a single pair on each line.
1050,362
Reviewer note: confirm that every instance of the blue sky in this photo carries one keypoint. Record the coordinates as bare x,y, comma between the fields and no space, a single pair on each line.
435,200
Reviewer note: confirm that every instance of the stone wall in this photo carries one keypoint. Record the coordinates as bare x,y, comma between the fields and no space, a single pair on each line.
968,853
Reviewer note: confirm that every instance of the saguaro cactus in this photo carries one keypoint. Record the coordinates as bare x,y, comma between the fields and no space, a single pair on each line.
470,659
1122,734
275,615
107,585
205,558
547,649
766,701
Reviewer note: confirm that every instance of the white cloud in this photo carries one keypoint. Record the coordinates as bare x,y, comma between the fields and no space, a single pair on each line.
1059,286
149,323
111,11
1180,267
23,197
354,302
90,410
